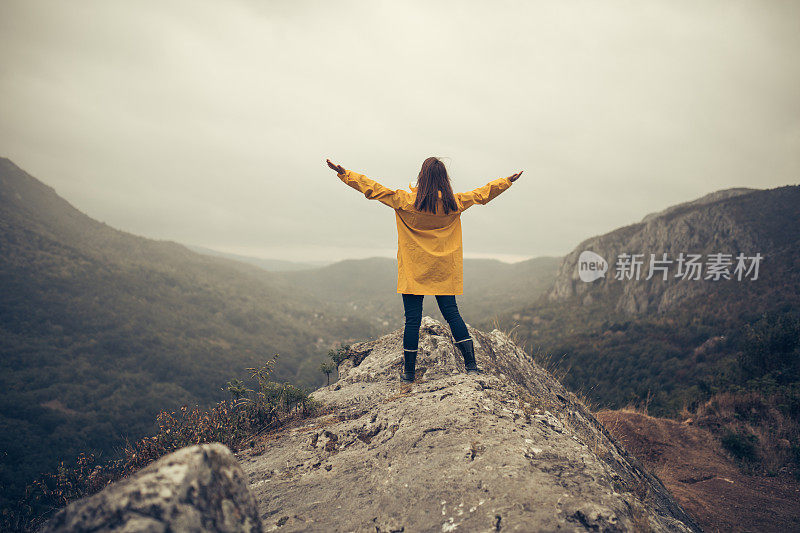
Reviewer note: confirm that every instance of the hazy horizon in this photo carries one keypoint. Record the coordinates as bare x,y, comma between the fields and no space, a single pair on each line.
209,124
312,255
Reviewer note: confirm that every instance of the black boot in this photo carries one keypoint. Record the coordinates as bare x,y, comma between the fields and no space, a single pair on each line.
468,351
409,365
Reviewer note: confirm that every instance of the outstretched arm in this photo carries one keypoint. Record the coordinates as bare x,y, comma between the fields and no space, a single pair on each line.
369,187
482,195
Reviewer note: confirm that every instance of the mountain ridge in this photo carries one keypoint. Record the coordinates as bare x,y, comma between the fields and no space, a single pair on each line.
735,222
722,194
101,329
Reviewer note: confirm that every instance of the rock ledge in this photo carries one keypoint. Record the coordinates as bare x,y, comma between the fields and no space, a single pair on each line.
508,450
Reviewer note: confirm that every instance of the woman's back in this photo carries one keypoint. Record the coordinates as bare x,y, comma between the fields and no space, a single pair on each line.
429,249
429,244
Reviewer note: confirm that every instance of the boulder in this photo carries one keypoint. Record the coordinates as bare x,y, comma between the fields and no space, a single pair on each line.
197,488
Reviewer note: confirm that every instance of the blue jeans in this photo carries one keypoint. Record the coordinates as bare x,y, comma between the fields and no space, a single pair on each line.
413,309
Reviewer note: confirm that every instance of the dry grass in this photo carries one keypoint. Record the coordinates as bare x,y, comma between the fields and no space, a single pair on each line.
640,408
597,443
543,359
754,416
583,397
751,427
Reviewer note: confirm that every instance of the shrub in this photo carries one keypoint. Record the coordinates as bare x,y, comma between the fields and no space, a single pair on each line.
327,368
340,354
740,445
769,345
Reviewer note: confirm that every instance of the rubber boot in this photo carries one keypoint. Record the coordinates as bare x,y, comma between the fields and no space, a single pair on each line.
409,365
468,351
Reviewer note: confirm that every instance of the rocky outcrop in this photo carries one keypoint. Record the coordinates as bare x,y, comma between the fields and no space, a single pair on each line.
198,488
507,450
729,222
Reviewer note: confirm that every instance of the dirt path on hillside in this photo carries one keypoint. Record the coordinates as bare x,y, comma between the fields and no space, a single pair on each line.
694,467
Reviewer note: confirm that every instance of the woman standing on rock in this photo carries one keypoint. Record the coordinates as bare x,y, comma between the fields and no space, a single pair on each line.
429,249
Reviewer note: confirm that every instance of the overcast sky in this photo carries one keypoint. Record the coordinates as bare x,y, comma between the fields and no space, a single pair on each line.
208,123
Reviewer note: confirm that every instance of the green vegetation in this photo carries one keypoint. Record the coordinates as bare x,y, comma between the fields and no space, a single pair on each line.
741,445
89,360
733,371
233,422
755,406
770,349
339,354
724,354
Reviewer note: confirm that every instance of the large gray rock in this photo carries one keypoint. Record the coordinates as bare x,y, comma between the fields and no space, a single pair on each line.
197,488
509,450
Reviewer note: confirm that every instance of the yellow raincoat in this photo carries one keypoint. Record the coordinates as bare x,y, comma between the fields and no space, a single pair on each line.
429,250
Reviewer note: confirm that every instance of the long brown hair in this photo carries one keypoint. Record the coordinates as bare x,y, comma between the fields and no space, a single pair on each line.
432,179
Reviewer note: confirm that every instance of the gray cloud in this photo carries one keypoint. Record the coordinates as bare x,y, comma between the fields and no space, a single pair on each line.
209,123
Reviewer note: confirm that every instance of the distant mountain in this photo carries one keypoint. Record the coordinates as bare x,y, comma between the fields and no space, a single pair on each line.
728,222
275,265
671,341
368,287
492,286
100,329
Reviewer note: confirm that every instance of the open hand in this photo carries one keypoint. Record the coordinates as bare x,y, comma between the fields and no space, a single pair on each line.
338,168
516,176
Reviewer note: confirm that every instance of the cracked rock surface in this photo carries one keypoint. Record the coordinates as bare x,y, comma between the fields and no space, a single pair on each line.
506,450
197,488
